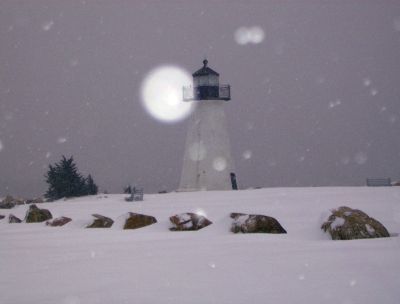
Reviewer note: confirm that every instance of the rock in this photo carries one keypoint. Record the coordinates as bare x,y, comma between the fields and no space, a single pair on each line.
36,215
255,223
188,222
60,221
13,219
101,222
136,220
348,224
38,200
8,202
2,216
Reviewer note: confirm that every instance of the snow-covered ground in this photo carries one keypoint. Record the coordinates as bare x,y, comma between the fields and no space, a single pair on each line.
70,264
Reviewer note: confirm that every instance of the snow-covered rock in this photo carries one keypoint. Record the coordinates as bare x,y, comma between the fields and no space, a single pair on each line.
188,222
100,221
60,221
347,224
255,223
13,219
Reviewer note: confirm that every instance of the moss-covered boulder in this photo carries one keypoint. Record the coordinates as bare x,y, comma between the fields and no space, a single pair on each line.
255,223
136,220
100,221
348,224
13,219
188,222
37,215
60,221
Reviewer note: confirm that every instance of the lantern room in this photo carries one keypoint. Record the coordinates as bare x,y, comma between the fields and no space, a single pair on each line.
206,86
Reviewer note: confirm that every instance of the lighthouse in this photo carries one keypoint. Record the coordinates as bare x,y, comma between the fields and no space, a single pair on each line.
207,162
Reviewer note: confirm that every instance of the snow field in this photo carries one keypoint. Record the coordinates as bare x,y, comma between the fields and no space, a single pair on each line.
70,264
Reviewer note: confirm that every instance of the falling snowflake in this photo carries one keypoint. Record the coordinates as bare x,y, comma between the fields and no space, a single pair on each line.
345,160
246,35
47,25
1,145
247,154
367,82
61,140
212,265
200,212
250,126
374,92
335,103
74,62
360,158
392,119
219,164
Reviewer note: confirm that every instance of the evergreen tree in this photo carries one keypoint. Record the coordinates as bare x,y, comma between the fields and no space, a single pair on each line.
91,187
64,180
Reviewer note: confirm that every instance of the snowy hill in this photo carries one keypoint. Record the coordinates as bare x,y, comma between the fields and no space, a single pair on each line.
70,264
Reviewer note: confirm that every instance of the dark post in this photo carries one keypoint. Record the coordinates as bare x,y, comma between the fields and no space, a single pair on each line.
233,181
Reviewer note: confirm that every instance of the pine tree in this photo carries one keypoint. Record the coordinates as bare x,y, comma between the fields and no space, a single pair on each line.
91,187
64,180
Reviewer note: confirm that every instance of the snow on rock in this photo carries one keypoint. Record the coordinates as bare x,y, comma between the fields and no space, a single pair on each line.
337,223
13,219
348,224
188,221
255,223
60,221
370,229
100,221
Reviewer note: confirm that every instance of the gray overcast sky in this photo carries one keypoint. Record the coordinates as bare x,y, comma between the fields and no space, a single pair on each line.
317,102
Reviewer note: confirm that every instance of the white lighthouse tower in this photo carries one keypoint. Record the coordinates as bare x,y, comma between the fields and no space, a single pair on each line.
207,163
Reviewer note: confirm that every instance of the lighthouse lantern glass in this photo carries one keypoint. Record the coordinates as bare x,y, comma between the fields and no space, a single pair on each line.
206,80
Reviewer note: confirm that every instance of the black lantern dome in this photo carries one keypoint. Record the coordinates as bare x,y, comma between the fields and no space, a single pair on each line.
206,86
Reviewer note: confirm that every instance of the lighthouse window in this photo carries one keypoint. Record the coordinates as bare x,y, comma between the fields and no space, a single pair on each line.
213,80
206,80
203,80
